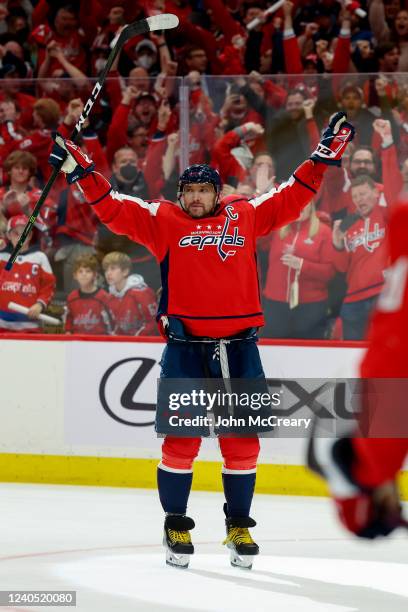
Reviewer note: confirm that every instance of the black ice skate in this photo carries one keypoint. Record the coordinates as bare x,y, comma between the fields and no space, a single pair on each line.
239,541
177,540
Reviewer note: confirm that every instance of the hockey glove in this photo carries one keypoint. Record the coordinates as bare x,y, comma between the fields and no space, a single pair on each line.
335,139
76,164
367,513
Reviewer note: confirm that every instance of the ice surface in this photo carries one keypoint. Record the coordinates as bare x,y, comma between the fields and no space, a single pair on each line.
105,543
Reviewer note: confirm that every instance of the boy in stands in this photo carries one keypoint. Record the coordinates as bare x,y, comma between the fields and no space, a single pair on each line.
132,302
31,282
88,309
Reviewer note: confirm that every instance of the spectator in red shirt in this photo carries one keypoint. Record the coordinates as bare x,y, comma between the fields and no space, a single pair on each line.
233,152
336,195
138,140
87,310
46,115
361,254
11,87
31,282
300,267
133,303
65,81
236,111
19,196
65,30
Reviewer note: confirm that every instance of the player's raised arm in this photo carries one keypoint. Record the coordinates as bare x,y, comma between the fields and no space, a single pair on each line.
127,215
284,204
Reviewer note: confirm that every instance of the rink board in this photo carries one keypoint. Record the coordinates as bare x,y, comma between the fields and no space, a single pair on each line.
81,412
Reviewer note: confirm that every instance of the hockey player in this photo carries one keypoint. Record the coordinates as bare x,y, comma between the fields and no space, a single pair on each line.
361,472
209,309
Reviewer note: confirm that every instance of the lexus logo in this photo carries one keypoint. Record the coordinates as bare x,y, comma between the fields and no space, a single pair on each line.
119,386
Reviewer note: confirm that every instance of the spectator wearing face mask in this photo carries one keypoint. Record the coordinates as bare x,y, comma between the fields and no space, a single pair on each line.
146,56
128,179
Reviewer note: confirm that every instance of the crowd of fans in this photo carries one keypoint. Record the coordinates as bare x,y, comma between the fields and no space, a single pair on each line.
260,87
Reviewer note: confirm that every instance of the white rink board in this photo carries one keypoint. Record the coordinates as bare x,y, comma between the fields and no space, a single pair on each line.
52,396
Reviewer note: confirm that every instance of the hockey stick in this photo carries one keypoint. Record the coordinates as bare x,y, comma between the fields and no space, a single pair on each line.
166,21
272,9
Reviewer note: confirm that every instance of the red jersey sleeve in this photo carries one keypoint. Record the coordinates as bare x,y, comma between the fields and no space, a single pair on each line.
223,159
291,51
342,54
341,260
153,170
127,215
222,17
313,132
391,174
284,204
117,132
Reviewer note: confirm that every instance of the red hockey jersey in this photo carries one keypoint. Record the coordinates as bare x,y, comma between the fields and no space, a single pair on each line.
88,313
208,266
133,308
29,281
365,257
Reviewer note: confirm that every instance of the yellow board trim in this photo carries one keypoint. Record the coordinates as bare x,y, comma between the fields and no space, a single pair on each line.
141,473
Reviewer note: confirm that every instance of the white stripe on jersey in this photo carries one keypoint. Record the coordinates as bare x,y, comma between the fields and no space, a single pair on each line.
152,207
265,196
35,257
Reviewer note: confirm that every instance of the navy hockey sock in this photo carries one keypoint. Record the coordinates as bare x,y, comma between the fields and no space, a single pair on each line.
174,490
238,491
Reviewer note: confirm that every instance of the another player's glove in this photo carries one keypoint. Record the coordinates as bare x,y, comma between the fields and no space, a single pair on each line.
367,513
334,141
76,164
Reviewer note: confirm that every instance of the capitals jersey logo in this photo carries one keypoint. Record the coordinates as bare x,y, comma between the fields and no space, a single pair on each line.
369,240
216,235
